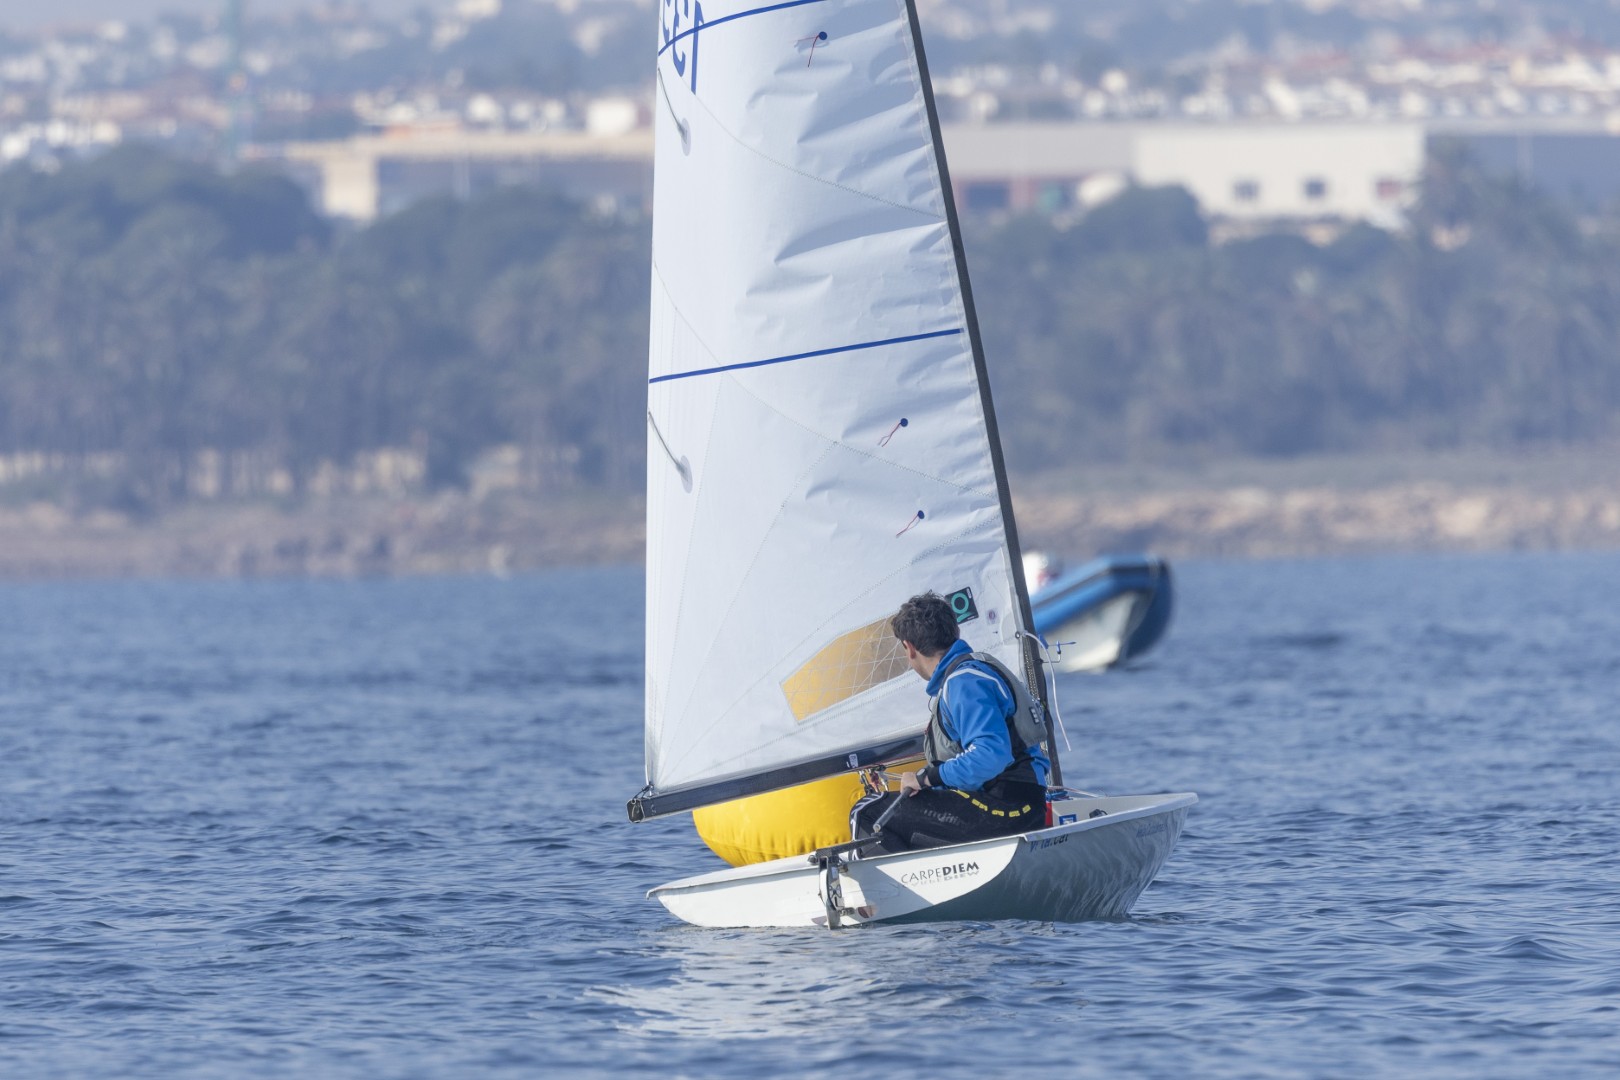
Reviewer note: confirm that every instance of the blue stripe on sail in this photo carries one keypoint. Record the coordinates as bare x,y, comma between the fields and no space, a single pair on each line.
804,356
732,18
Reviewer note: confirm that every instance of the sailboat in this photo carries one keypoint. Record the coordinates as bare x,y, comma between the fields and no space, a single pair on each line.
821,446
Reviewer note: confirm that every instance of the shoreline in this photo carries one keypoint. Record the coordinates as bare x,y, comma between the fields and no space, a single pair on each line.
337,537
1258,510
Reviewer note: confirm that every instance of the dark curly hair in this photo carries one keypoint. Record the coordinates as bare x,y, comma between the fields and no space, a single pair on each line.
928,622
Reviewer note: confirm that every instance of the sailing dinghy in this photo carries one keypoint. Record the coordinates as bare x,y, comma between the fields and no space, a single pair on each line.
821,446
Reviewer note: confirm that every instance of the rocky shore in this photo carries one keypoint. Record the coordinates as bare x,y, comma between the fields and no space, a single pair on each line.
1250,522
329,537
1547,500
1235,513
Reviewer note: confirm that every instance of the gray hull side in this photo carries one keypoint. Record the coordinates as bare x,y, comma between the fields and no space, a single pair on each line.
1096,874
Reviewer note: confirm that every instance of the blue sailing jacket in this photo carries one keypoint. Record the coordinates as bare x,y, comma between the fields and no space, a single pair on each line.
974,707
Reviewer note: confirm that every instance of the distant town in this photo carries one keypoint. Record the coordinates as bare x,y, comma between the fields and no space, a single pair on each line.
336,292
1316,111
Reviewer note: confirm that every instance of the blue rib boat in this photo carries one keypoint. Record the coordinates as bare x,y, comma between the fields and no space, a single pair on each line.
1110,610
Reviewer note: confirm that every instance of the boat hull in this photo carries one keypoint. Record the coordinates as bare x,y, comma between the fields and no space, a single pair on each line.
1090,868
1107,612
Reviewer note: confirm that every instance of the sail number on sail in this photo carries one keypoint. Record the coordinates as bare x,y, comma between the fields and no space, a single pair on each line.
674,12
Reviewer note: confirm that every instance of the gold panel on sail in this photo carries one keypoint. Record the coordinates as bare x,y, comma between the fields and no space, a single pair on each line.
850,664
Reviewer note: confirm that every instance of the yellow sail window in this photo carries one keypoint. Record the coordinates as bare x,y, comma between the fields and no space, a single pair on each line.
850,664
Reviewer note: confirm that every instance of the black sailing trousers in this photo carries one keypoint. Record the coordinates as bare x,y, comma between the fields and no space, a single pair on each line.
937,816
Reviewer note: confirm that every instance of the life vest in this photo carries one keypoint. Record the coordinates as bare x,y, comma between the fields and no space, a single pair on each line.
1026,723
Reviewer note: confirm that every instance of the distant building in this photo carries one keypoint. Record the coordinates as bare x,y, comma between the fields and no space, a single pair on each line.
1244,172
1050,166
1238,171
1241,173
367,176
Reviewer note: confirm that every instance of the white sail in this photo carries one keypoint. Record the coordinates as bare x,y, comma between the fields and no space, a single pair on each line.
817,442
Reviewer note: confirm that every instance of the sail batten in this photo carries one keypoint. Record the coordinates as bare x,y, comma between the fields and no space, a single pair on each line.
741,366
816,384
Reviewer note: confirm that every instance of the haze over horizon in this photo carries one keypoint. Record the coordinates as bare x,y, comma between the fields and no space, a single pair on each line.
30,14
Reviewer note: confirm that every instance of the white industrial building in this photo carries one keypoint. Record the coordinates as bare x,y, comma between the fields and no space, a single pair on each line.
1238,172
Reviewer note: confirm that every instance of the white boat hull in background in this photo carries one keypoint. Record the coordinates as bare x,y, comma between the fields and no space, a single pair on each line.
1094,640
1092,868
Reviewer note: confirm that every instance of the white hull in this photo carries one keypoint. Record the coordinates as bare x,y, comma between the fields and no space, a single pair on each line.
1096,638
1092,868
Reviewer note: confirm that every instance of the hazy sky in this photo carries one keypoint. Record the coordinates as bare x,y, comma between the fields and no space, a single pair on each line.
30,13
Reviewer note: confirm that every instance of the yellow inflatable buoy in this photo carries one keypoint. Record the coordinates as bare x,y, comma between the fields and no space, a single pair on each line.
780,824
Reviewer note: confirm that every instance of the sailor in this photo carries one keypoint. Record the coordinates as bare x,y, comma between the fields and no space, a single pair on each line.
981,778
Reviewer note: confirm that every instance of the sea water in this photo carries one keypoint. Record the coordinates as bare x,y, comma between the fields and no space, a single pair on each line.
376,829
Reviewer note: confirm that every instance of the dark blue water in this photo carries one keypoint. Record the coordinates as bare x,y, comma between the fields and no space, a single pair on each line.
375,829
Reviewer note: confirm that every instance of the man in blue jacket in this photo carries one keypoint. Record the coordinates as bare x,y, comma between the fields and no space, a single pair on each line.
981,780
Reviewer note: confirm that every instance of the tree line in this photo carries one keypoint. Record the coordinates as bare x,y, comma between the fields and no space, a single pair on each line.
1491,322
152,310
155,309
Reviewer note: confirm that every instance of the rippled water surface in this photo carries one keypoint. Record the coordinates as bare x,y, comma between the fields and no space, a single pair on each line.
376,829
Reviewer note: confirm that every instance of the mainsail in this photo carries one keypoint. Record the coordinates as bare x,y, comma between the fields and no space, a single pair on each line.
820,439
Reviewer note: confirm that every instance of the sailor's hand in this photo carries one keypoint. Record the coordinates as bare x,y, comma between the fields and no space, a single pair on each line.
910,784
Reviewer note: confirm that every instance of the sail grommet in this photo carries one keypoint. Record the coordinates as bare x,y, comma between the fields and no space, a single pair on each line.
813,40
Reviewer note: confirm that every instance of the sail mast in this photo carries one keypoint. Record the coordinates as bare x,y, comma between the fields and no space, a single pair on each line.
1033,675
